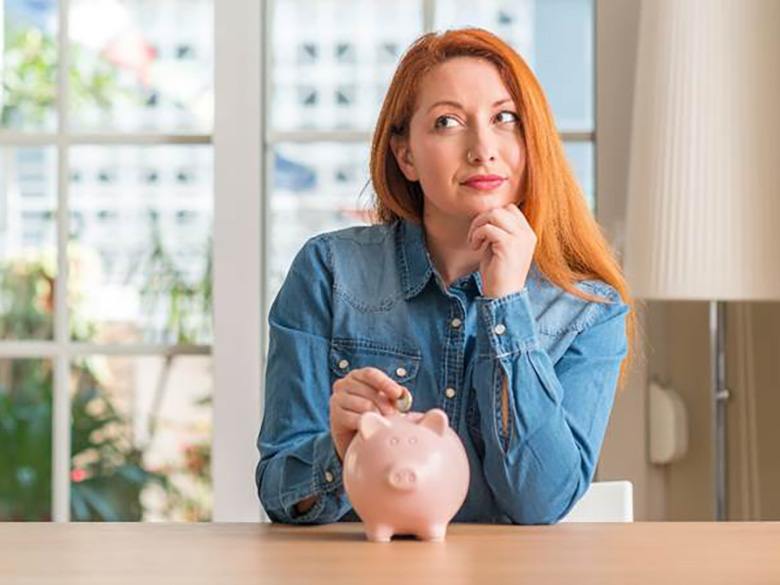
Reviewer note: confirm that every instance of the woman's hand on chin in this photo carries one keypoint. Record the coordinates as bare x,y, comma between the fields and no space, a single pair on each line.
507,244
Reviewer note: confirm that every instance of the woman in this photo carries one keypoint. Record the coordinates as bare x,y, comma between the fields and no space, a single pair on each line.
484,287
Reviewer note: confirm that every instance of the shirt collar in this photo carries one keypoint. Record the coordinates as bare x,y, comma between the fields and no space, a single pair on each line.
413,257
415,260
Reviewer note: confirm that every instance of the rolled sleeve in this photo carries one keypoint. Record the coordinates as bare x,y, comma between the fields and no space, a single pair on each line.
297,456
324,482
541,463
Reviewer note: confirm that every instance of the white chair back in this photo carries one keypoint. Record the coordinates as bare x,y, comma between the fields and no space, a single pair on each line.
605,501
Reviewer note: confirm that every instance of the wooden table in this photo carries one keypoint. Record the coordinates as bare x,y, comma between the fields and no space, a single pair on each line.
657,553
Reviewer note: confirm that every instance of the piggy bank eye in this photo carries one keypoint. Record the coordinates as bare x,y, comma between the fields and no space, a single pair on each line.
412,440
394,441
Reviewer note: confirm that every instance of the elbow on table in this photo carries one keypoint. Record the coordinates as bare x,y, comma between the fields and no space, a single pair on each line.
538,516
547,509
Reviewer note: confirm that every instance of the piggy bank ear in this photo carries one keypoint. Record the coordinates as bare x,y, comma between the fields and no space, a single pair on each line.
370,423
436,420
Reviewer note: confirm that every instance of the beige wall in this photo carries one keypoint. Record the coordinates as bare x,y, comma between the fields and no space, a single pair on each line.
675,342
757,368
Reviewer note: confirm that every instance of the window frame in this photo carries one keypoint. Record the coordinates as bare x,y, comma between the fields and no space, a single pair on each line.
61,350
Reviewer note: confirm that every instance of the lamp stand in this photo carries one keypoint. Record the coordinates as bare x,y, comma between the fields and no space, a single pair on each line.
720,396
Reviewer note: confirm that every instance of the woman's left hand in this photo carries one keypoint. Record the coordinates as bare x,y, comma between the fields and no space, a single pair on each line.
507,243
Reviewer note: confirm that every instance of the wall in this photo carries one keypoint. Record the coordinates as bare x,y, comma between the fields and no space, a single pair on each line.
675,342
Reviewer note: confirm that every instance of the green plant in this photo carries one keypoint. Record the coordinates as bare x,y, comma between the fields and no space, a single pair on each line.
187,304
107,484
25,290
25,440
108,473
30,79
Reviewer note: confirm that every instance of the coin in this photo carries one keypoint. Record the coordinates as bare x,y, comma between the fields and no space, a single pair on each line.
404,404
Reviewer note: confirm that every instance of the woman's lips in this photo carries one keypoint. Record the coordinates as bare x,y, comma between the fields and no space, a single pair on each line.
484,184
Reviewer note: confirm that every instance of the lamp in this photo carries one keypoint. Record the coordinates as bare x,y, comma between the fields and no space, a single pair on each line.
704,182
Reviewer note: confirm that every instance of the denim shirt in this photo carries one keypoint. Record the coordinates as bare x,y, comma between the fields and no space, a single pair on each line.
370,296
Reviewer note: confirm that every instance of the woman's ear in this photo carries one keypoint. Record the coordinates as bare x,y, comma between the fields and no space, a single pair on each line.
403,156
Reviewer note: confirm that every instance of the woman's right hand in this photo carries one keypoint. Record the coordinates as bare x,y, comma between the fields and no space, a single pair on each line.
361,390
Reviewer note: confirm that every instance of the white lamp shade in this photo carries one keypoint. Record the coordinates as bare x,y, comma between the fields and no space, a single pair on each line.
703,220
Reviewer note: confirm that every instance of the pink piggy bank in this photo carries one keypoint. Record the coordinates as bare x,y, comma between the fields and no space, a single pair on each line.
406,474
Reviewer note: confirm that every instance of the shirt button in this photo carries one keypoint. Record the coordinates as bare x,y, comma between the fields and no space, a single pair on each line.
499,329
328,476
449,392
400,372
456,322
343,364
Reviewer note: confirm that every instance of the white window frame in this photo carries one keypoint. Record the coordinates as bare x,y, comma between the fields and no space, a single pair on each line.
238,257
62,350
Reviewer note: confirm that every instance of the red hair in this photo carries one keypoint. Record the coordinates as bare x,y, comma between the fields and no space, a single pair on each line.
570,244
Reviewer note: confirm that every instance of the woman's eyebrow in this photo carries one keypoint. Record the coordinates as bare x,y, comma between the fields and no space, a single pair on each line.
457,105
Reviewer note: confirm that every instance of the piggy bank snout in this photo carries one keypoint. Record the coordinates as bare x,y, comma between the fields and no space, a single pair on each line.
402,478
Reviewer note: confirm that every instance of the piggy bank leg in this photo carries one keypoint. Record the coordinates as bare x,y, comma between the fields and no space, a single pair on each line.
379,532
433,533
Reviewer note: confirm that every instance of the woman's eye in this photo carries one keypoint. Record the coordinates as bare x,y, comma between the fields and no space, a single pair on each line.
513,117
443,118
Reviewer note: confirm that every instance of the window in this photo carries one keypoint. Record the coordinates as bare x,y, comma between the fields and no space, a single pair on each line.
106,211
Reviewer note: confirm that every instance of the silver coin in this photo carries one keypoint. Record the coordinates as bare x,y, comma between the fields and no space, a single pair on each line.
404,404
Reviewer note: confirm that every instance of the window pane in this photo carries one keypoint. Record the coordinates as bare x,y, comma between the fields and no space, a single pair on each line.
142,65
580,155
555,37
29,64
317,187
25,439
28,256
140,244
141,442
332,59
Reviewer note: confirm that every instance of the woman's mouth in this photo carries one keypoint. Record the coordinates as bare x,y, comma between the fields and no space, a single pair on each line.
484,182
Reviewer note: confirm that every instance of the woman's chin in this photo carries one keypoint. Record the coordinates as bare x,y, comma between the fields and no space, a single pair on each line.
484,201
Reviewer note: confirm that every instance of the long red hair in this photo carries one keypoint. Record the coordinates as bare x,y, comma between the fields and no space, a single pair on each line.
570,244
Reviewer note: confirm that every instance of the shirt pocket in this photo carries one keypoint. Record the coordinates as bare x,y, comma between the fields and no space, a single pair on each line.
400,364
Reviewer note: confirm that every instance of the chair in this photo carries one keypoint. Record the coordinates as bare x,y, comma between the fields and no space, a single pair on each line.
605,501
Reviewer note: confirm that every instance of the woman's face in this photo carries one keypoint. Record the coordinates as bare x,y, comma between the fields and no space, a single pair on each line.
465,124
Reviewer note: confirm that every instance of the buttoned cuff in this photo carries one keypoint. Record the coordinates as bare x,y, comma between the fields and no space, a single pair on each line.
327,468
326,483
506,325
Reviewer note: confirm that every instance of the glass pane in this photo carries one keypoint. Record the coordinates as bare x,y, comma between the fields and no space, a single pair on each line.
555,37
29,64
142,65
580,155
28,253
141,442
316,187
25,439
140,244
332,59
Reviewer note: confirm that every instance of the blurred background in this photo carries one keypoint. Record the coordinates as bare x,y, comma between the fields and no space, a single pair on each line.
156,151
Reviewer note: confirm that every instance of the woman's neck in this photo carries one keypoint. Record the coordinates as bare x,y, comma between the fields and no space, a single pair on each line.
449,250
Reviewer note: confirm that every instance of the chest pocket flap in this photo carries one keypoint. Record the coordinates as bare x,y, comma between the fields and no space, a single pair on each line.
347,355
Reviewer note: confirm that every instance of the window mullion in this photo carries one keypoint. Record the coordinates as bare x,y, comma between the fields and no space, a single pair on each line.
61,418
429,15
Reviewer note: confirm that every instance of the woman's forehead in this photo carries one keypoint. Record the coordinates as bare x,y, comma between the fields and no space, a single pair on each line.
462,80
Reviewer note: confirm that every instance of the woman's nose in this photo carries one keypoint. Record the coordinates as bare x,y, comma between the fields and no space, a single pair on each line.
479,155
480,149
